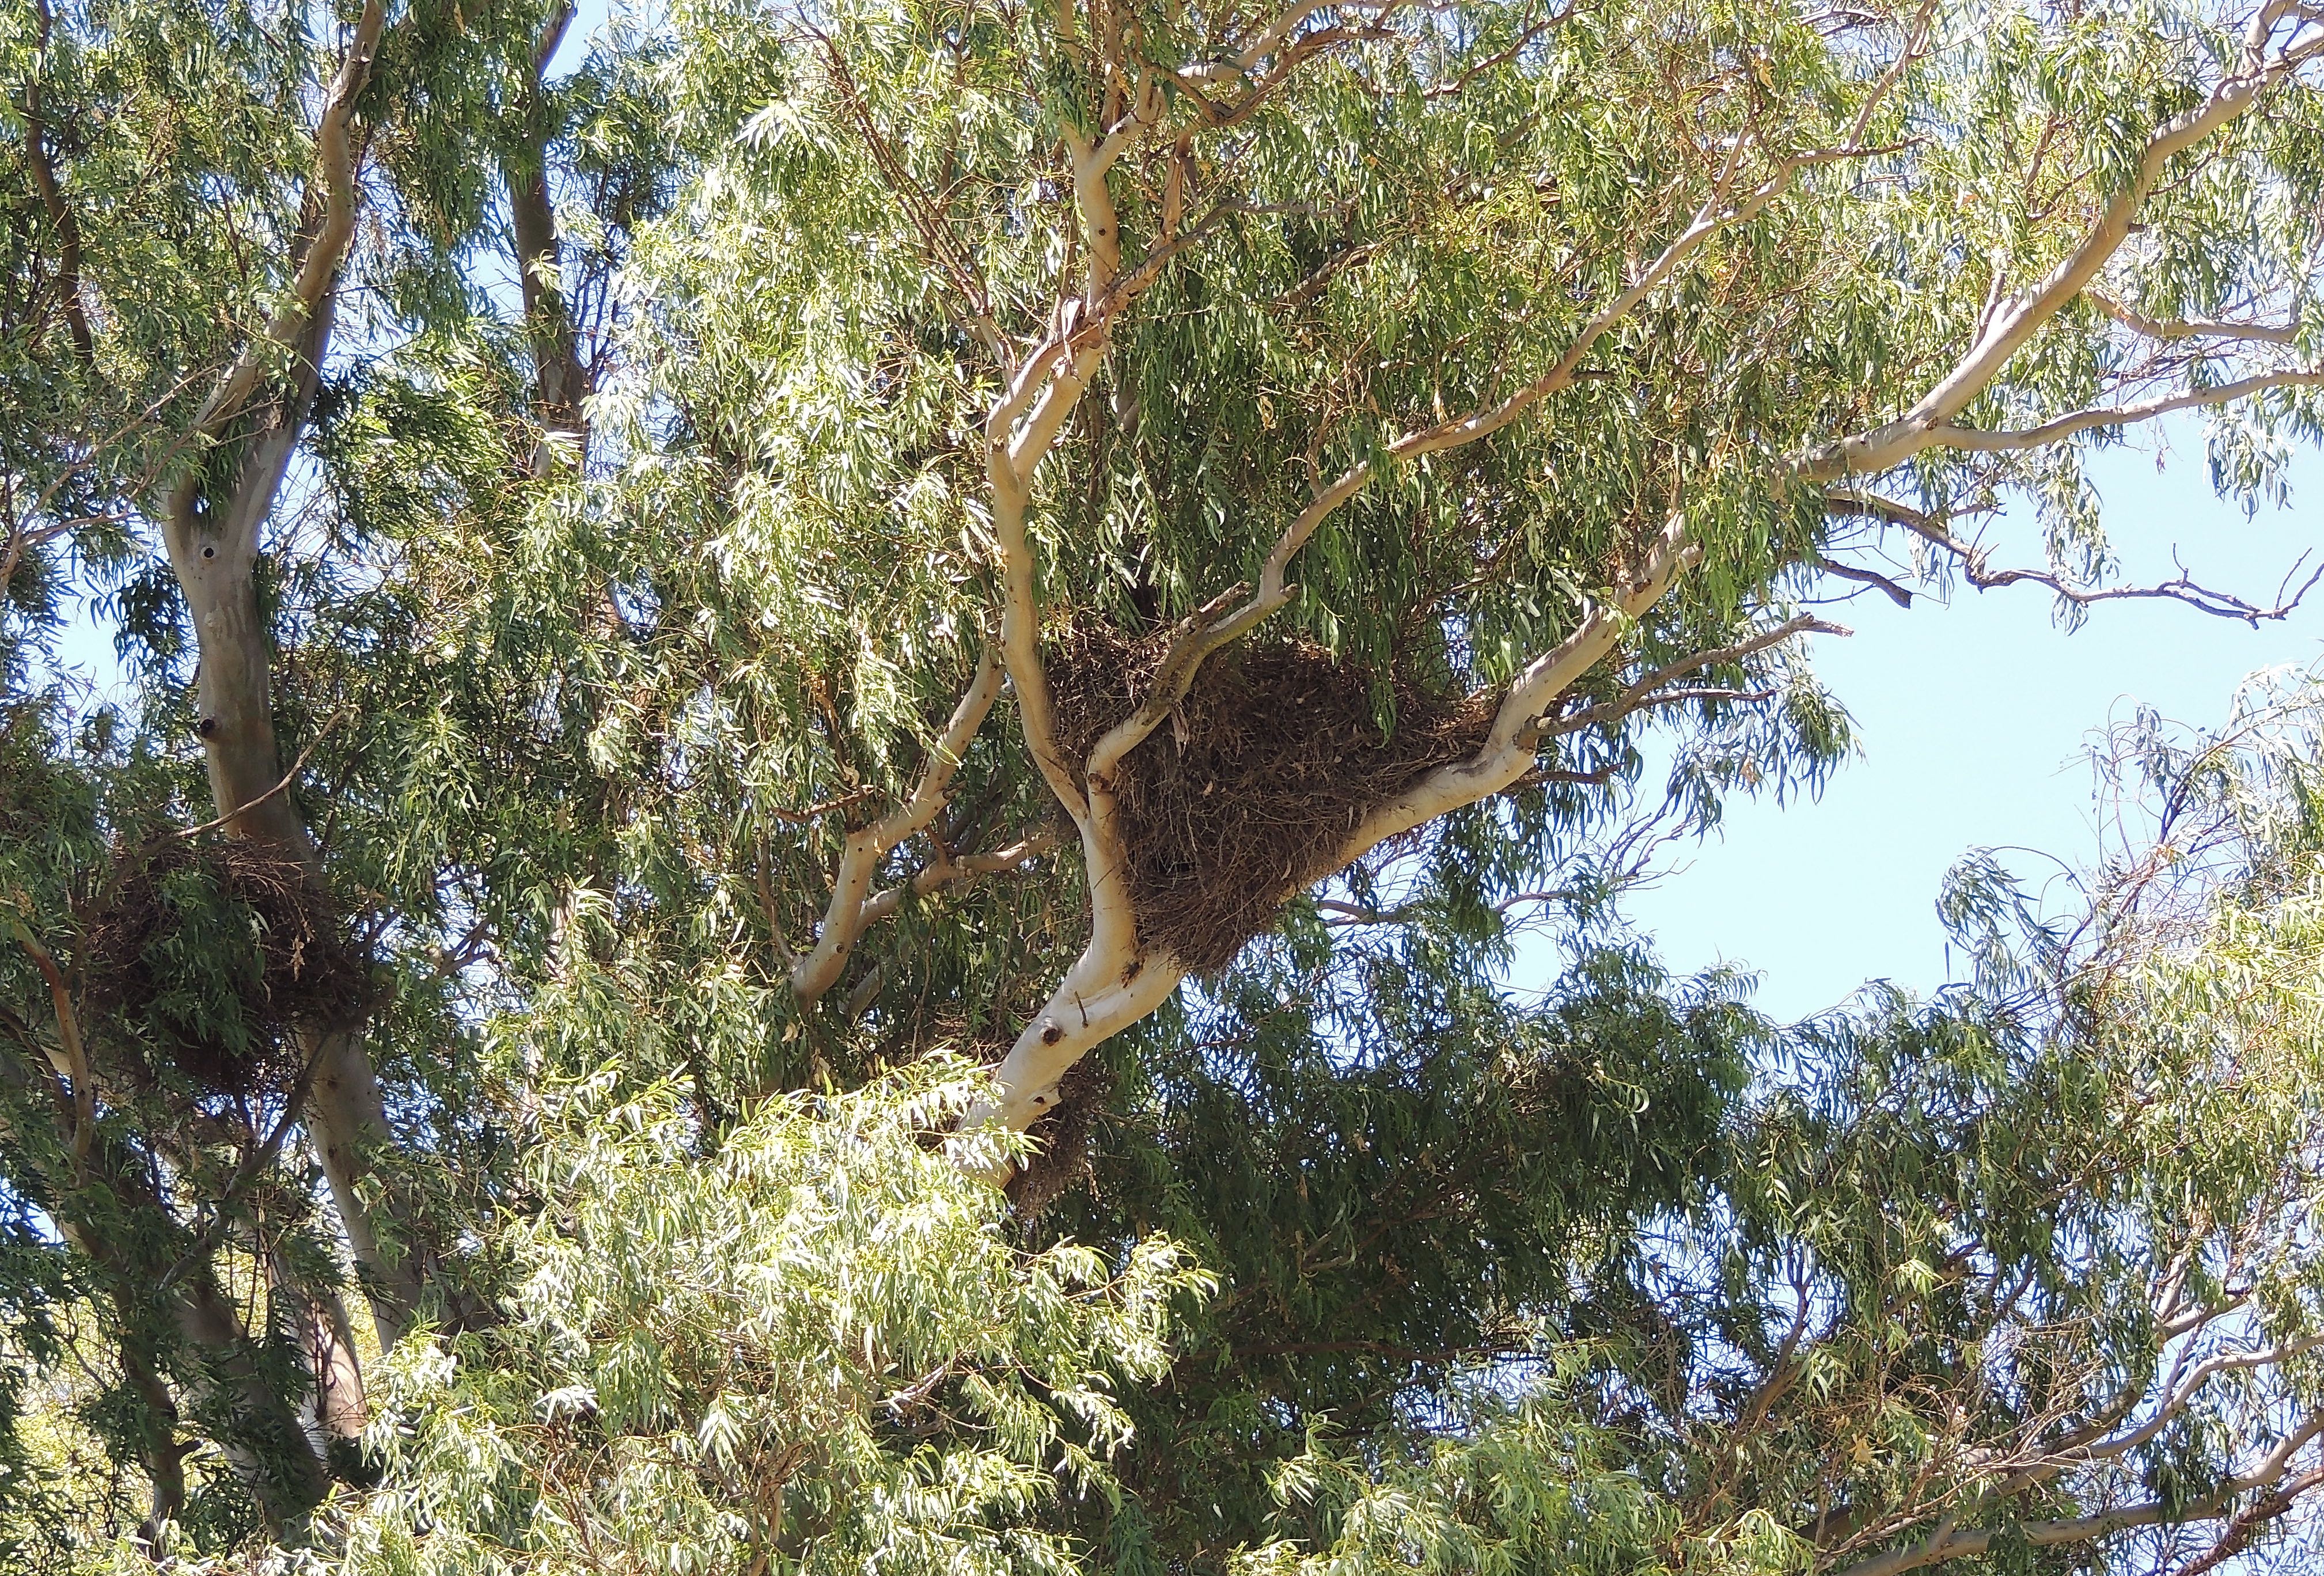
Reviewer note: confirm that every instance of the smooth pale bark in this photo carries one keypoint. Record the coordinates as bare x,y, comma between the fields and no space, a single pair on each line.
850,909
213,530
1118,980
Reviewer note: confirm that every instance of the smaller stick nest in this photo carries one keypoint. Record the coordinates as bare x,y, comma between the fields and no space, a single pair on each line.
1063,1137
211,958
1249,793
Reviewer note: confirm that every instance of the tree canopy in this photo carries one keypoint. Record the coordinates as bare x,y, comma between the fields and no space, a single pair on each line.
835,723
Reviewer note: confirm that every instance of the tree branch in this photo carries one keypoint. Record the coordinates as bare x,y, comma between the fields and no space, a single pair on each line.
2016,320
1971,440
1863,577
70,1061
860,855
2042,1534
947,869
2182,587
559,382
1649,690
335,152
61,218
2178,329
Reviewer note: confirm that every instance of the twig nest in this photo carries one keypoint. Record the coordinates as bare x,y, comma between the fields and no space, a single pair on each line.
1273,758
208,957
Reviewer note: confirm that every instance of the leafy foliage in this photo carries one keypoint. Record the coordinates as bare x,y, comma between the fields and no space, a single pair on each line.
816,1345
577,503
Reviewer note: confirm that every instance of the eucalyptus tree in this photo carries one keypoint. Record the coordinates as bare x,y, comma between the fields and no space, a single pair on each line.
1336,431
1524,364
218,215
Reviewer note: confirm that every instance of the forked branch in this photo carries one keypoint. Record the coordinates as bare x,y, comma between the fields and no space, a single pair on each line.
2269,1475
948,869
2059,429
2014,320
2182,587
1652,689
323,248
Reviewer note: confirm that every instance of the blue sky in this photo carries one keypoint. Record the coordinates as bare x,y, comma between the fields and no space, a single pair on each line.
1974,719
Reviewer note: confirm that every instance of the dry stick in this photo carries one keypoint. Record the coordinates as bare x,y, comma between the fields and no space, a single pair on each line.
298,765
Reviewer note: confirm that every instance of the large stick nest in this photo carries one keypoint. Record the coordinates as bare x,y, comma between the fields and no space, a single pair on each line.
212,957
1248,794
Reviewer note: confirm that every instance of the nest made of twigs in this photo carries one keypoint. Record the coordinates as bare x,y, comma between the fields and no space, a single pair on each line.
211,955
1249,793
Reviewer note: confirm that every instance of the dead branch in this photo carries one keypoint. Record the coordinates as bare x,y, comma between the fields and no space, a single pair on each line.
2182,587
298,765
1862,576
